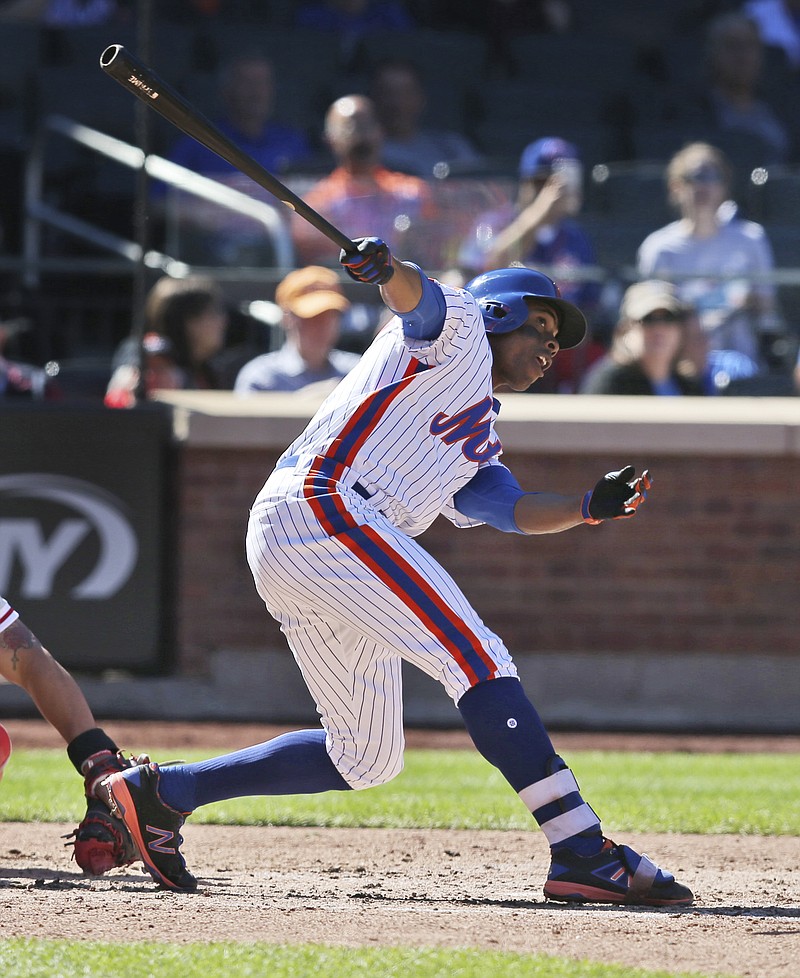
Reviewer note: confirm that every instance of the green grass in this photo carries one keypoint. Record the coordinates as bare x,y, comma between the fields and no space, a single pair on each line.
751,794
63,959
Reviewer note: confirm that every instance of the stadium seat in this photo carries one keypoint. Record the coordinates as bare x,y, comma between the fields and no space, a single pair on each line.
776,200
628,193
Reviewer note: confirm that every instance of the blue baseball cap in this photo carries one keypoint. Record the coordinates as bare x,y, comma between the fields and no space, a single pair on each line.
538,158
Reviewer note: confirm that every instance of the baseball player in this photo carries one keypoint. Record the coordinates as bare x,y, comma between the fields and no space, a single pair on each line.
407,435
101,842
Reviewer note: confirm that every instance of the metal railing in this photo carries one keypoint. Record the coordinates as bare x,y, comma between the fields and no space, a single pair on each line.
39,213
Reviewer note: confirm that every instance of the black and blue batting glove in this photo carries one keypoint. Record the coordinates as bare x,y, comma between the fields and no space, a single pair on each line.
616,496
370,263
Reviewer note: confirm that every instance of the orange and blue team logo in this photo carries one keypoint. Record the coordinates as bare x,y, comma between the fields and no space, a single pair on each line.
472,426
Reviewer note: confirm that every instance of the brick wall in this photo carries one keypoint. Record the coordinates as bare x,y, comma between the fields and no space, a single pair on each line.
709,566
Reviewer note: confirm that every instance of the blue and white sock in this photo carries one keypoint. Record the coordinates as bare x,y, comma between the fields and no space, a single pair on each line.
567,821
295,763
507,730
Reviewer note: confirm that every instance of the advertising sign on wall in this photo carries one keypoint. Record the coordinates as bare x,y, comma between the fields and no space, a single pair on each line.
83,495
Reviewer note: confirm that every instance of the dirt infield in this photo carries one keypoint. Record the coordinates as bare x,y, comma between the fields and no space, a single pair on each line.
445,888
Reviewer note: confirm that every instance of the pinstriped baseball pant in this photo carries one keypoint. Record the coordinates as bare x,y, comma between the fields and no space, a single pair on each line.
354,596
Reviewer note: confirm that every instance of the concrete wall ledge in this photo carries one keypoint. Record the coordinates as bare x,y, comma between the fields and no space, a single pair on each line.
765,426
700,692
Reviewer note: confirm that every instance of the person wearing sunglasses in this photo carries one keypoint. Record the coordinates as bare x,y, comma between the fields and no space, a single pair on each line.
654,349
719,262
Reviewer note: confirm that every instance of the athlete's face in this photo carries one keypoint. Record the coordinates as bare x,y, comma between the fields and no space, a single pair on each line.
521,357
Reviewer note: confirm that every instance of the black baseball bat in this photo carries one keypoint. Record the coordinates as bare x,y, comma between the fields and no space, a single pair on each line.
146,85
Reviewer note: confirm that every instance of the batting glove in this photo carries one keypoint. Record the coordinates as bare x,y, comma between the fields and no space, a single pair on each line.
370,263
616,496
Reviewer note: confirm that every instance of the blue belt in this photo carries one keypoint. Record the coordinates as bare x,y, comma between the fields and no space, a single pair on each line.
291,461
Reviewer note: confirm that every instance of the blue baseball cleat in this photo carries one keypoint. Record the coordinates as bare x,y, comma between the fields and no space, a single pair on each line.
616,874
155,827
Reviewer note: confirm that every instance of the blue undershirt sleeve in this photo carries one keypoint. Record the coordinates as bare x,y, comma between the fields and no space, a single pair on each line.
426,320
490,496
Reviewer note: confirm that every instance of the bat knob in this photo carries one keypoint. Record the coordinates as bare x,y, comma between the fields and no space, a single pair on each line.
108,56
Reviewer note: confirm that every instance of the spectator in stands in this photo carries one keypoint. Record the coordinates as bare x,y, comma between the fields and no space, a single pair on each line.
158,371
355,18
247,92
717,260
778,23
721,371
61,13
648,352
79,13
187,321
19,379
398,93
498,20
312,303
362,193
732,103
540,228
205,233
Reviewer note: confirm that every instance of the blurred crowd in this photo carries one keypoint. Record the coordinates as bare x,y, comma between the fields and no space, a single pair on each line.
695,309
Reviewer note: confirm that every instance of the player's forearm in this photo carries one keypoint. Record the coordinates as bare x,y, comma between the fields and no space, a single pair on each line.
508,245
57,696
514,239
403,290
547,512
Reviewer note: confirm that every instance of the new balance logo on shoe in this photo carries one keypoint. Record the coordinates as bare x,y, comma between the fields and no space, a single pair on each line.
162,837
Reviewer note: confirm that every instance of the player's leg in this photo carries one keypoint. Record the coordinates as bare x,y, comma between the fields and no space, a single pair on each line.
585,866
417,608
433,626
354,679
25,662
358,693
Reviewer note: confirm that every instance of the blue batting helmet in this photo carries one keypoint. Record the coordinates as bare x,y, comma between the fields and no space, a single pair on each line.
501,297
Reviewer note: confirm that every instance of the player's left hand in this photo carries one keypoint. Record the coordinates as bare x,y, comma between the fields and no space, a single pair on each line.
617,496
371,263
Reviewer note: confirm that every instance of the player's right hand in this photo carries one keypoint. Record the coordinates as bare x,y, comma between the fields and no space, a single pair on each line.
370,263
616,496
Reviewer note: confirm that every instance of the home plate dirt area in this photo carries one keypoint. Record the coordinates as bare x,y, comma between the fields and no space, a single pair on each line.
366,887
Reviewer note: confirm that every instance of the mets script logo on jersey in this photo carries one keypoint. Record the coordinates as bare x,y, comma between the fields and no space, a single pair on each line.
471,426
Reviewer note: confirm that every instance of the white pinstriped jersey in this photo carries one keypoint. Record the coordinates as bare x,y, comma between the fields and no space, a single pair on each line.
7,614
413,421
329,537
